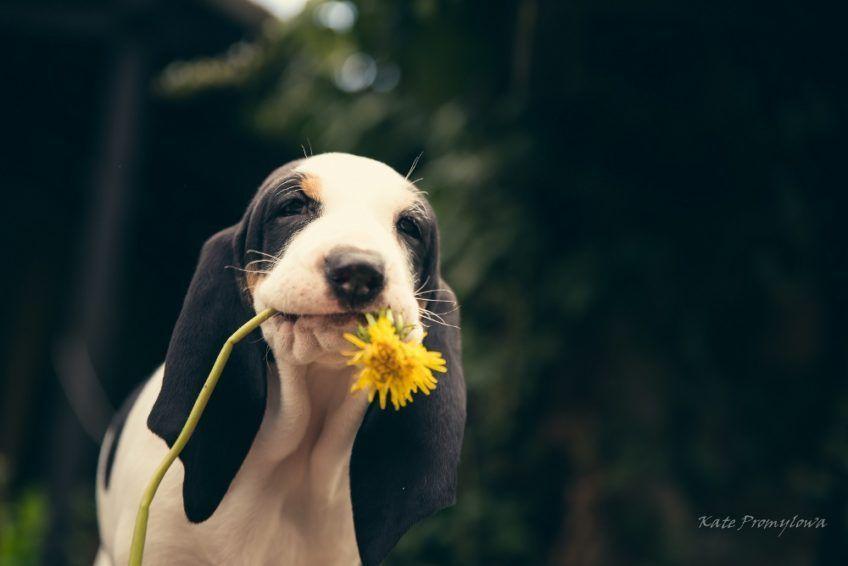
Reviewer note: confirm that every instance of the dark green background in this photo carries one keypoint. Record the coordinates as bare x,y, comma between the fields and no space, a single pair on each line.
642,210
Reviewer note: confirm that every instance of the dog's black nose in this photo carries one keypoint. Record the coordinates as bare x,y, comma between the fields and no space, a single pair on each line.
355,276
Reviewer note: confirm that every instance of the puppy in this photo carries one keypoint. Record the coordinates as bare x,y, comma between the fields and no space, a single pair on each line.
287,466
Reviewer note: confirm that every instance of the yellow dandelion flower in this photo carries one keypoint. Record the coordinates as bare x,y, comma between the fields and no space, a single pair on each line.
392,368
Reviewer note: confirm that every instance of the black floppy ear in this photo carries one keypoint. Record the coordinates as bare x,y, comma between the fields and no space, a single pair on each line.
214,308
404,463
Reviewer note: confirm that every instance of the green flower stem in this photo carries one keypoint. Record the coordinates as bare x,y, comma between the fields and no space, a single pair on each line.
140,531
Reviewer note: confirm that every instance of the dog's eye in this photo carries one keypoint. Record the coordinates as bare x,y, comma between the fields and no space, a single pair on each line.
409,227
294,207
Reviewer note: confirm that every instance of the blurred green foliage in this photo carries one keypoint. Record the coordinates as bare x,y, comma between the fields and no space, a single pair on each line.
23,523
635,214
24,518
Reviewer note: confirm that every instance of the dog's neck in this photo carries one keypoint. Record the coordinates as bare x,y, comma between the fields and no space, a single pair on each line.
310,408
297,470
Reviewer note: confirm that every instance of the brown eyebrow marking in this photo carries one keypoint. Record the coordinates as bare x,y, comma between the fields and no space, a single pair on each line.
252,279
311,186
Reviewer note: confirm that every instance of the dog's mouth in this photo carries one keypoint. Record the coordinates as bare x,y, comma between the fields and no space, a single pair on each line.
336,319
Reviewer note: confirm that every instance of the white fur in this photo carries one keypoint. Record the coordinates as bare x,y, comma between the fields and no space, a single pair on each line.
289,503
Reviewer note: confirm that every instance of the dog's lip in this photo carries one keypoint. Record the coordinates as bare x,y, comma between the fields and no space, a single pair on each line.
337,317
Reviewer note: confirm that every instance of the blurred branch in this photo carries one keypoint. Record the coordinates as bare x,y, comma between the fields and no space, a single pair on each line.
525,27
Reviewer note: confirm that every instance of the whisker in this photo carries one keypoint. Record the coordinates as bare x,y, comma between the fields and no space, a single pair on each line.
414,165
417,293
272,262
441,314
275,258
441,322
290,179
258,271
422,286
432,314
287,184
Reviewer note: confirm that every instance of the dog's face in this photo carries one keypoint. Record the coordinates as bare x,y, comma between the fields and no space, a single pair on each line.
340,235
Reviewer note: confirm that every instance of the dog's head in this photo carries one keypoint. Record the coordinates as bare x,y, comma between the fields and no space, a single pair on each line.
329,237
324,239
